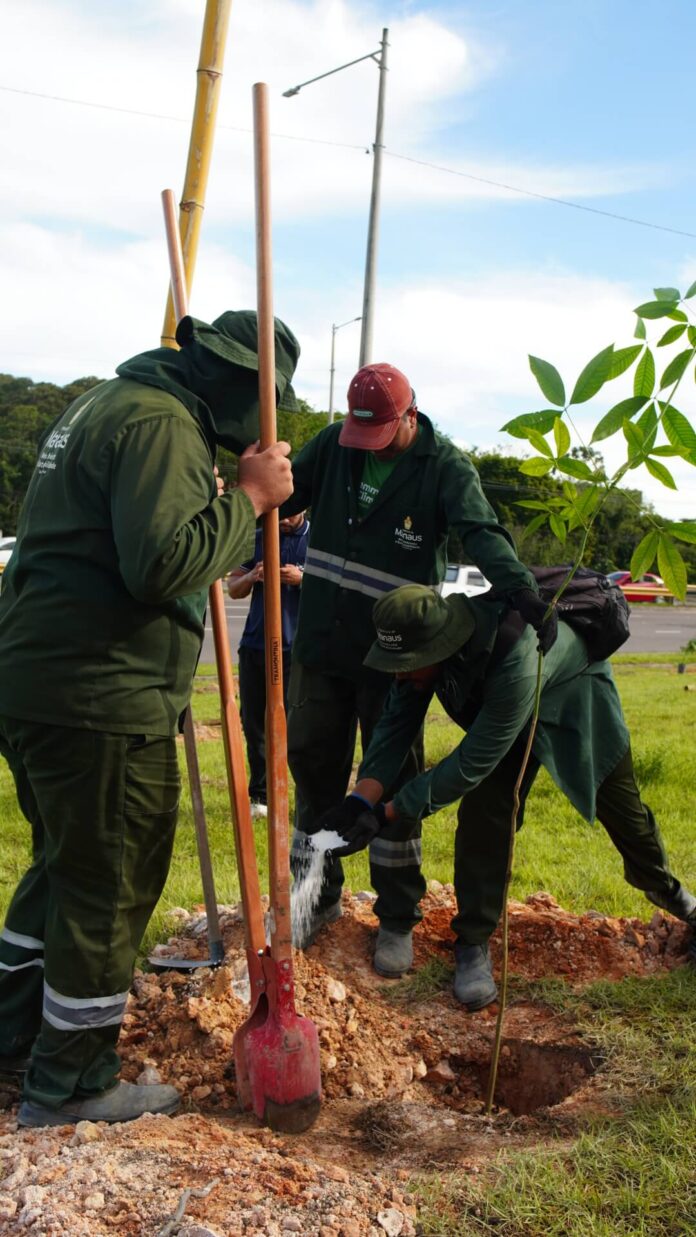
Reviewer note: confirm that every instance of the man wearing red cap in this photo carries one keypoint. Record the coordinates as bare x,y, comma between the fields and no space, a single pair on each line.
385,490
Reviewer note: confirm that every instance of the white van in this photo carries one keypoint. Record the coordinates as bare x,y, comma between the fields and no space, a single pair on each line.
467,580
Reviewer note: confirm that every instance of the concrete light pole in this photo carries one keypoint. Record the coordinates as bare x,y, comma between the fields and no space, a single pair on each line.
335,327
380,58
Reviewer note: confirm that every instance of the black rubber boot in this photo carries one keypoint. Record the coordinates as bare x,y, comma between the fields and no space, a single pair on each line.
393,953
474,984
124,1102
681,903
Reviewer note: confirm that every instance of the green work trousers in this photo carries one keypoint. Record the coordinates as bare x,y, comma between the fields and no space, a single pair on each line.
483,833
102,810
324,714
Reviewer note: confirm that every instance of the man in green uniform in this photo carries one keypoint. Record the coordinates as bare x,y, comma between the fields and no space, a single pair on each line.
482,665
101,624
385,490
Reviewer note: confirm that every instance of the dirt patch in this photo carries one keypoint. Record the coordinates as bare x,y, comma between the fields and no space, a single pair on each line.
402,1084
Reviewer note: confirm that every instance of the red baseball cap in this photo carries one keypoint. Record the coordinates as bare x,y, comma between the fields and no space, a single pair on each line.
378,396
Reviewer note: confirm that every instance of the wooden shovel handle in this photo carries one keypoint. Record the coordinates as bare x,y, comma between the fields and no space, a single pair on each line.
231,724
276,733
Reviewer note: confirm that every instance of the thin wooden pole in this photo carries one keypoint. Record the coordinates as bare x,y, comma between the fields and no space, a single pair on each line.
276,733
208,83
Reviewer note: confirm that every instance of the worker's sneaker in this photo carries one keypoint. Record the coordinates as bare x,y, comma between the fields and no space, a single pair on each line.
259,811
306,934
680,903
474,984
393,953
124,1102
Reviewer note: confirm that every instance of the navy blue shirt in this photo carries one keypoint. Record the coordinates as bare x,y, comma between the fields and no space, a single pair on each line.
293,551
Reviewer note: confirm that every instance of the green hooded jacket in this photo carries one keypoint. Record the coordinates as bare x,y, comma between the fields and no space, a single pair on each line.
121,534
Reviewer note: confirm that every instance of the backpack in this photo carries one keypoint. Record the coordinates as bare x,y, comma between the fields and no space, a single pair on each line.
591,604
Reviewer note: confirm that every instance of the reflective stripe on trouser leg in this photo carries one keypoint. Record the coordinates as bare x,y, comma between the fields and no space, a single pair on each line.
108,805
395,871
22,938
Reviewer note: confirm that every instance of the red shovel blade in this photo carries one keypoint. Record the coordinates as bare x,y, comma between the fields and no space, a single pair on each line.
257,1015
282,1057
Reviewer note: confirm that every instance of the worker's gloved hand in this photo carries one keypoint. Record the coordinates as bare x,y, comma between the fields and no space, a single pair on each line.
355,821
530,605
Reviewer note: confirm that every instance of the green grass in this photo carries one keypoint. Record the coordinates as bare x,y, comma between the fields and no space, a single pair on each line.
556,849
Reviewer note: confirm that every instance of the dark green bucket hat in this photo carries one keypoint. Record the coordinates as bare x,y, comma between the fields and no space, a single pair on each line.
417,627
234,337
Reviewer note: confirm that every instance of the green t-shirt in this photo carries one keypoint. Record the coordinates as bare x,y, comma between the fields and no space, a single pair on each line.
374,475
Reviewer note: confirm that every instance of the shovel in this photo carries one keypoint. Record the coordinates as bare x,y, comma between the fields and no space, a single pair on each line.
282,1048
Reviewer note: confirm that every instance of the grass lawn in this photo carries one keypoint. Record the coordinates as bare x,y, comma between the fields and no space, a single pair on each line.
631,1175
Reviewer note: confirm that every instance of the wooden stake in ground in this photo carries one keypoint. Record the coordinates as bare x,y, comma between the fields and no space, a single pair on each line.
208,83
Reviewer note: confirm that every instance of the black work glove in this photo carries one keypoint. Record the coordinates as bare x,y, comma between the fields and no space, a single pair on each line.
532,608
355,820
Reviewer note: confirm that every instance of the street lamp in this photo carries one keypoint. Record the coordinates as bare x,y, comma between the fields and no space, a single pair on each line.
335,327
380,58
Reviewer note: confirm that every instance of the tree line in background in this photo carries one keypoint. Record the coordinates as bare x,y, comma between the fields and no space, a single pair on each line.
27,409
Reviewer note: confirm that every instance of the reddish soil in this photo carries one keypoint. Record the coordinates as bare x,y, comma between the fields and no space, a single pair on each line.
402,1085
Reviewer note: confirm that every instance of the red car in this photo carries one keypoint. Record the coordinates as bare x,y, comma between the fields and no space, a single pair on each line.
639,590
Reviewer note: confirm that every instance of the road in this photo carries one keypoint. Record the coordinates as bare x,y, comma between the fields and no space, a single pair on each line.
654,628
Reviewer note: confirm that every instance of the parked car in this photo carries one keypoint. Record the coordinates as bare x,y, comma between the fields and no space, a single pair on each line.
467,580
7,545
640,590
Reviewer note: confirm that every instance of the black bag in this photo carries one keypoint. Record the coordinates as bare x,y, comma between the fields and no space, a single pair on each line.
591,604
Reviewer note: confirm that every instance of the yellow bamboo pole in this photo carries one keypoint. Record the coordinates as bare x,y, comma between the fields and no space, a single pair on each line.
208,82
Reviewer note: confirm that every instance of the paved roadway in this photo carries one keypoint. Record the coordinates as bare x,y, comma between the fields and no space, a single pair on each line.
654,628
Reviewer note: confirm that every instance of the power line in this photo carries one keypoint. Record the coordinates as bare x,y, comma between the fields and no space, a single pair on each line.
438,167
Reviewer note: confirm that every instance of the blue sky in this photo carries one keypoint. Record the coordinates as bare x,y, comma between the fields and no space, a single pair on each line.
588,101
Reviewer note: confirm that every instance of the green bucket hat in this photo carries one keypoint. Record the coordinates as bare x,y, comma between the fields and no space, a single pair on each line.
233,337
417,627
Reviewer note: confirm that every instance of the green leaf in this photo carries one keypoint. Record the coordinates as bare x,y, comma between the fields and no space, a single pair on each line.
588,500
662,473
640,331
685,532
593,376
561,436
671,566
676,368
691,332
644,377
667,294
536,467
542,421
574,468
665,451
549,380
533,503
647,422
679,430
538,441
614,419
644,554
678,315
655,309
533,526
634,437
569,490
690,291
623,359
671,334
558,528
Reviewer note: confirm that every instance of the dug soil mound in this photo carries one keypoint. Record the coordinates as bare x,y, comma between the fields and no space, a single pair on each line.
403,1068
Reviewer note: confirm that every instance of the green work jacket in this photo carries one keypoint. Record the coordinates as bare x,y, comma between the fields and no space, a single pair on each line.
581,735
120,535
351,562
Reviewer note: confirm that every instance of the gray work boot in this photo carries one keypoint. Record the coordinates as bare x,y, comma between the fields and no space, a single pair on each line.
393,953
124,1102
305,935
474,984
680,903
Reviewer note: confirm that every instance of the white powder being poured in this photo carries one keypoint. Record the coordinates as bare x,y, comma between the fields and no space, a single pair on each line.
306,890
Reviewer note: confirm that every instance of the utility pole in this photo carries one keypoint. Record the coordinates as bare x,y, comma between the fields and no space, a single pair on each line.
335,327
373,225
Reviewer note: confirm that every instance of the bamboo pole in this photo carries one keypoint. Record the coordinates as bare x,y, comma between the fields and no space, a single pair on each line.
208,83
